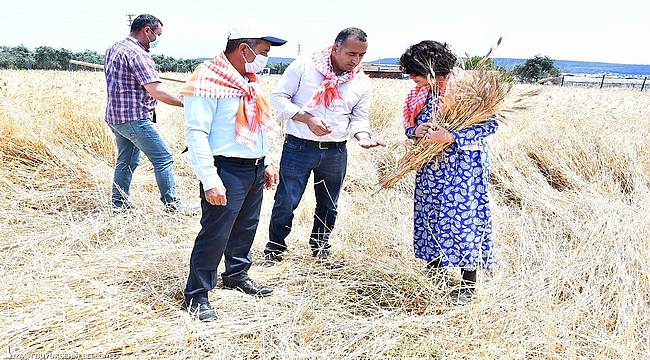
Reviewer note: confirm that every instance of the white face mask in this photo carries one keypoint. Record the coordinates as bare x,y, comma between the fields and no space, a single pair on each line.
153,44
258,64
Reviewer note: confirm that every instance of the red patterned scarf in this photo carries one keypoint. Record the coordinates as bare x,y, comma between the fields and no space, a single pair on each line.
329,89
416,99
218,79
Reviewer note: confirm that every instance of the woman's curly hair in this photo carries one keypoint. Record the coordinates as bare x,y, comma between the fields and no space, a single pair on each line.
428,58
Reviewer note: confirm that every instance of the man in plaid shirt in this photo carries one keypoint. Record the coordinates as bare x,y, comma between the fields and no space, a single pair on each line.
133,88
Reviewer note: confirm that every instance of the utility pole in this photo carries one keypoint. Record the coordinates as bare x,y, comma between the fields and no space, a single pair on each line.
130,16
298,49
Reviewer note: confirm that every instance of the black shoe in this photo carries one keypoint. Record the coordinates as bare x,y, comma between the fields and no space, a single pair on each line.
122,208
247,286
273,256
324,257
434,265
321,254
461,296
181,207
201,311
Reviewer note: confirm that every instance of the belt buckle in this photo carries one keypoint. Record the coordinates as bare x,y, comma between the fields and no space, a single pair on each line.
257,161
320,146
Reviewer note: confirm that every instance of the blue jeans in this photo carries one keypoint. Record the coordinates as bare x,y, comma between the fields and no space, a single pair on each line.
299,160
226,231
132,138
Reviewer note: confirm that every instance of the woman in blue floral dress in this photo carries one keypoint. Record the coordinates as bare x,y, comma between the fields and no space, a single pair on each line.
452,219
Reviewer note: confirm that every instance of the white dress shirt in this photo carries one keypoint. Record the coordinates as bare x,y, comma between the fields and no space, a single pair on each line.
210,131
347,116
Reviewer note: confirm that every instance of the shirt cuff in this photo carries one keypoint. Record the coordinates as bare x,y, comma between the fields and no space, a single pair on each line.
210,181
289,113
362,132
359,128
410,132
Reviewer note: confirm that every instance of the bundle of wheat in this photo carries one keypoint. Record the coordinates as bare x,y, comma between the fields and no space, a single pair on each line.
471,99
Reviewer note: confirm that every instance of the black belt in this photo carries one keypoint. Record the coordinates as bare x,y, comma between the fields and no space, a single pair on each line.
242,161
323,145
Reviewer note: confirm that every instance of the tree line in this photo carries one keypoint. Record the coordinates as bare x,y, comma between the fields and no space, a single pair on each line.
48,58
532,70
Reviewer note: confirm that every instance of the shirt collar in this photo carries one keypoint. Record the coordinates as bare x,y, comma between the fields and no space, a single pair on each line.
137,42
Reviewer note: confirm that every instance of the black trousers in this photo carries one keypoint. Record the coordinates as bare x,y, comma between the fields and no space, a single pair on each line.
226,230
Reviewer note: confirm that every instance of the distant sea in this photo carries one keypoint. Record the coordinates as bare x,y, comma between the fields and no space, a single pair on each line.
585,67
565,66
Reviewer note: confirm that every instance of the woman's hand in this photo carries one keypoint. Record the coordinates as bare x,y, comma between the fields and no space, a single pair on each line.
422,129
438,135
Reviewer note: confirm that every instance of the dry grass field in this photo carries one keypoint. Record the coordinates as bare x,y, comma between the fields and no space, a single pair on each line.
571,204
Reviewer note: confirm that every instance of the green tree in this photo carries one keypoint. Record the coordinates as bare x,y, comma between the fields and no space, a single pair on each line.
44,57
88,56
539,67
165,63
63,57
474,62
188,65
17,57
48,58
277,68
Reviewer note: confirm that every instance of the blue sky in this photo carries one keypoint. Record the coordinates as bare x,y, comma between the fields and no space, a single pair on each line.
607,31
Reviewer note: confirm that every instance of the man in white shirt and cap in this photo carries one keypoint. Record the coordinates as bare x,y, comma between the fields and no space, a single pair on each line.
323,101
227,121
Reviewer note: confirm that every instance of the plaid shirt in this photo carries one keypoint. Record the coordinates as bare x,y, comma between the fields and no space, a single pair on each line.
128,67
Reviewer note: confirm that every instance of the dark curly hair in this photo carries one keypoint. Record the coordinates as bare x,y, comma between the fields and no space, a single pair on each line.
428,58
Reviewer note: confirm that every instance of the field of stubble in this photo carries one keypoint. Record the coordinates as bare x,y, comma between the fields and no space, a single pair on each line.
571,205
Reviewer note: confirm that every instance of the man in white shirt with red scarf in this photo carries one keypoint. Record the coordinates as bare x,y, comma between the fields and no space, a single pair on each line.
322,101
227,121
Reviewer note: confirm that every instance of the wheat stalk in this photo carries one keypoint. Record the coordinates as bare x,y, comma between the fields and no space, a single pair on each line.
470,100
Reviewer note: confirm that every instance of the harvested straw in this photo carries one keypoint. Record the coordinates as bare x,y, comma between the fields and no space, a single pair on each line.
470,100
80,281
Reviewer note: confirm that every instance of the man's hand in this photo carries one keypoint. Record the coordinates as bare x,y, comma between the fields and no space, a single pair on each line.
422,129
318,126
158,92
368,143
271,177
217,195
